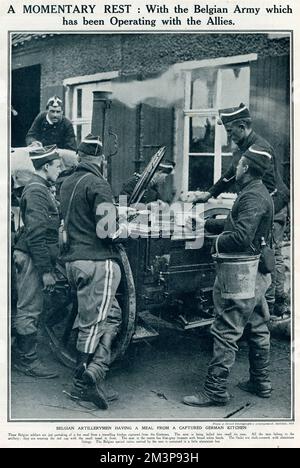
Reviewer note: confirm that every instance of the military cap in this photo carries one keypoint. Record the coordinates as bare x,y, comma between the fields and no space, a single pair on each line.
166,166
259,157
233,113
42,155
91,145
54,101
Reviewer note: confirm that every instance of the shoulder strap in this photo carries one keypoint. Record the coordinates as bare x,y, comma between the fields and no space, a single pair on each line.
270,236
71,198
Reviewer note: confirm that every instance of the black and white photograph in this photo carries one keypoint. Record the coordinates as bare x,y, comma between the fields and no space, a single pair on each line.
151,226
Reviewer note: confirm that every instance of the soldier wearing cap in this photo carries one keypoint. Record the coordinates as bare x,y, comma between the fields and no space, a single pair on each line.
243,231
52,128
35,255
153,192
93,271
238,124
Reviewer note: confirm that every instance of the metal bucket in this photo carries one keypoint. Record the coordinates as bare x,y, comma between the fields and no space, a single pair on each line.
236,274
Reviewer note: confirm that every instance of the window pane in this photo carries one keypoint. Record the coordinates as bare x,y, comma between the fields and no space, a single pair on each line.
79,102
202,134
204,88
235,86
201,172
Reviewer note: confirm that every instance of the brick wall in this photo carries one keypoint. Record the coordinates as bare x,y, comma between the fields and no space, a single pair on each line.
68,55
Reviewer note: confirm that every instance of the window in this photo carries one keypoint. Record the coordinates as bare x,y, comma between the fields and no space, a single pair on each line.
79,102
207,149
82,108
79,99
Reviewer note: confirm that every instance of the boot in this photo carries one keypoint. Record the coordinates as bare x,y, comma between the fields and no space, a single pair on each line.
258,390
99,365
282,306
96,370
79,391
215,386
259,383
202,400
90,388
27,360
96,394
282,298
85,392
111,393
81,363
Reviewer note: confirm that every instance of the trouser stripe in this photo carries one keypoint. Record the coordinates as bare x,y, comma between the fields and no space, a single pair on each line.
90,343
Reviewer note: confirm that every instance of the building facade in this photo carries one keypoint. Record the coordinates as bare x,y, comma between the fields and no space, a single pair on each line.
157,89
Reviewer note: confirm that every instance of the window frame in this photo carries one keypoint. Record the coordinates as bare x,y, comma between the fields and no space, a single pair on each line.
72,85
220,63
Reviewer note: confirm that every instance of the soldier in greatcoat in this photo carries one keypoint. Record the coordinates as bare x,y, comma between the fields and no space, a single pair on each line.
246,229
35,255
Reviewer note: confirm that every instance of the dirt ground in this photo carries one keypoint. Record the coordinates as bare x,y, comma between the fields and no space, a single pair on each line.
151,381
153,377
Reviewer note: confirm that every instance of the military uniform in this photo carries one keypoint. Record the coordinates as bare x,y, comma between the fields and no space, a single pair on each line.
249,221
35,251
272,178
276,187
91,262
60,133
151,195
94,272
35,254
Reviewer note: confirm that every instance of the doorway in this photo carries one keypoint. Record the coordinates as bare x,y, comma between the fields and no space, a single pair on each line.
25,101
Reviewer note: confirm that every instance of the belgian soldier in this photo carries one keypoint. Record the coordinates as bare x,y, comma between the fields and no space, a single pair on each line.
69,160
152,194
52,128
238,124
93,271
35,256
244,229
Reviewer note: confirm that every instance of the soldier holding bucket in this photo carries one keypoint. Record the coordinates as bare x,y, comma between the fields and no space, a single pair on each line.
237,122
248,224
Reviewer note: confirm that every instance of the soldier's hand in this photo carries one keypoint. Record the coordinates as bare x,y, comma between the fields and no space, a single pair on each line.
36,144
202,197
195,197
49,282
